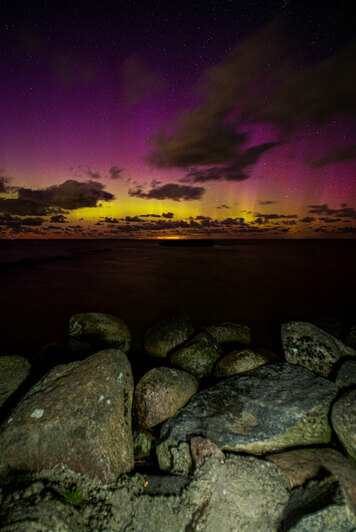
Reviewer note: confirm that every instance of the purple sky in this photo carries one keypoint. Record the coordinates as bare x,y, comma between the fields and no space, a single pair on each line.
144,119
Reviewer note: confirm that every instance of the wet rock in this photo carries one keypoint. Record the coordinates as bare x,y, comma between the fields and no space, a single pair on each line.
265,410
238,362
198,355
320,506
37,509
230,333
13,371
166,335
343,419
346,376
243,494
301,465
93,331
78,414
160,393
307,345
200,448
143,440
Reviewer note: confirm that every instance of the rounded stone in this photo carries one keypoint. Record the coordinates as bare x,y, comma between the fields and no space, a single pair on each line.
93,331
230,333
198,355
160,393
166,335
239,362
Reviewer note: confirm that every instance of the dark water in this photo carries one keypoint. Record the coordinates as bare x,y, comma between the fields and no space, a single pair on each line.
259,283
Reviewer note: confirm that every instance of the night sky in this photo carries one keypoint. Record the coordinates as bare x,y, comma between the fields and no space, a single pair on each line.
138,119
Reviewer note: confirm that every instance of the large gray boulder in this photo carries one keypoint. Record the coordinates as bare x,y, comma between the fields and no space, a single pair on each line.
160,393
343,419
93,331
264,410
243,493
78,414
166,335
307,345
13,371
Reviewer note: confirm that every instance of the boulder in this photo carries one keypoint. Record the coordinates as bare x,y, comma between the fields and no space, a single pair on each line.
78,414
198,355
307,345
270,408
301,465
166,335
13,371
160,393
230,333
346,376
319,505
243,493
239,362
93,331
343,419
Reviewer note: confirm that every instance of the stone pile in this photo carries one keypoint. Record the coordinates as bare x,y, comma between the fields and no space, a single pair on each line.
218,435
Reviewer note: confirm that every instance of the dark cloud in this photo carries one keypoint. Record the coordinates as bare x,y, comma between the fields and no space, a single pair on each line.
3,184
69,195
259,81
343,212
232,172
336,156
167,215
171,191
115,172
150,215
111,220
267,202
133,219
223,206
93,175
289,222
307,219
59,219
330,220
22,207
138,82
15,221
274,216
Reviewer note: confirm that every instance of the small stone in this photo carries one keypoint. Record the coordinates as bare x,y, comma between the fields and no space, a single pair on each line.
239,362
143,440
200,448
160,393
198,355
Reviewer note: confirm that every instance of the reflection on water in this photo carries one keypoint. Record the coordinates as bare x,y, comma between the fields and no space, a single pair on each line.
260,283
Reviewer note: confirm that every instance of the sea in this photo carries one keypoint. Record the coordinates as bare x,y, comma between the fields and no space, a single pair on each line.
260,283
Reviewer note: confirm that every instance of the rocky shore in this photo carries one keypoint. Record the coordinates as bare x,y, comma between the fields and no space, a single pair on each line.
209,432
